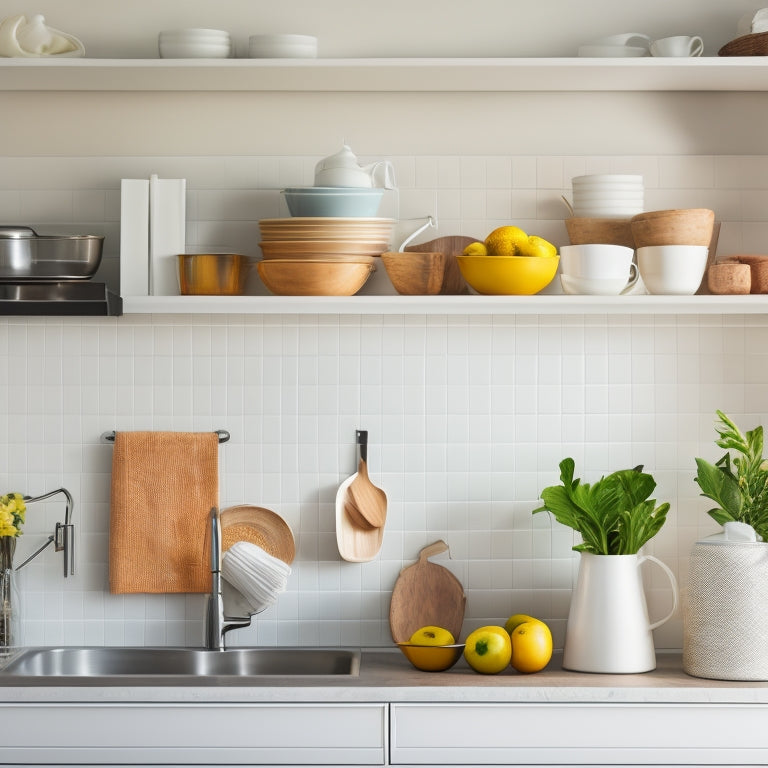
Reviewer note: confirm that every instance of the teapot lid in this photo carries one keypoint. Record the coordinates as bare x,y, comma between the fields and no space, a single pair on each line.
344,158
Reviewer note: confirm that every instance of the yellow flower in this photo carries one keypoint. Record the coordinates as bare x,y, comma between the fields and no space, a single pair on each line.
12,514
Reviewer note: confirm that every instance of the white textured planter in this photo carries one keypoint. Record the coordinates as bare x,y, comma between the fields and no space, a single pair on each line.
725,611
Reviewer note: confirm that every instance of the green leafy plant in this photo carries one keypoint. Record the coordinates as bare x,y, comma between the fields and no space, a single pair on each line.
739,485
614,515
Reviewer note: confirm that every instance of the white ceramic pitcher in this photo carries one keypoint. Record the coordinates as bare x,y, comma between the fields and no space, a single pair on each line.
608,627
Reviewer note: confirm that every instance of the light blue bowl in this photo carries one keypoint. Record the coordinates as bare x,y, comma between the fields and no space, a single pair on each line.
345,202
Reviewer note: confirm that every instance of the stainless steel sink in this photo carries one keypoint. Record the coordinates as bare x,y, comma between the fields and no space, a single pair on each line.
199,664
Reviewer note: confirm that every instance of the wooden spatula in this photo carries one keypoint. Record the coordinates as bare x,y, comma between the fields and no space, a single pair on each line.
366,498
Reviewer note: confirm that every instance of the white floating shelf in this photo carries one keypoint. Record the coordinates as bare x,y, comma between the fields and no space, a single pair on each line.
710,73
447,305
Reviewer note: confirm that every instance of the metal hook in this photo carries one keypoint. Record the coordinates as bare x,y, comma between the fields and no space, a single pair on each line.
431,222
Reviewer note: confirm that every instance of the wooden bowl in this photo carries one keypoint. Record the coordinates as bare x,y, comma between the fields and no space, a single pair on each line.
683,226
259,526
295,277
584,231
424,274
755,44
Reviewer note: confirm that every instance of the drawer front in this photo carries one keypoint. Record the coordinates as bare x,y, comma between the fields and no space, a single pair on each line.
582,734
221,734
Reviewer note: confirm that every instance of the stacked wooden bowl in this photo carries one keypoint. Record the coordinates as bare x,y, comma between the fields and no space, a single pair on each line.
321,256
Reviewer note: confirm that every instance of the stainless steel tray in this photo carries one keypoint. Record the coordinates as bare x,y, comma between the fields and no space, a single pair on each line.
27,256
58,298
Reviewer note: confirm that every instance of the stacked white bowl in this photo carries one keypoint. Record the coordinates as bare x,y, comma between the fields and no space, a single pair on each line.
607,196
195,44
280,46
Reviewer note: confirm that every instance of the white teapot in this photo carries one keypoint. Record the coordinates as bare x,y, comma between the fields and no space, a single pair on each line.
31,37
343,170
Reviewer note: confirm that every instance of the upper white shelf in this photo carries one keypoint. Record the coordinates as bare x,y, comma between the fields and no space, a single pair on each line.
447,305
406,74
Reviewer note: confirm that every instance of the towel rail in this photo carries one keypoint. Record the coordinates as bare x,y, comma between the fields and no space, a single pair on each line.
109,437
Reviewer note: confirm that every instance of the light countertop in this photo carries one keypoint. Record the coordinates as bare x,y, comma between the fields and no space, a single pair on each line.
386,676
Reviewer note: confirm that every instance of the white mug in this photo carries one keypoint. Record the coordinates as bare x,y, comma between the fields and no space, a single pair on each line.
679,45
596,261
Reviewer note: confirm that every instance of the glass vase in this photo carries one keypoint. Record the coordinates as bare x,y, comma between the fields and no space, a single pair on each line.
9,598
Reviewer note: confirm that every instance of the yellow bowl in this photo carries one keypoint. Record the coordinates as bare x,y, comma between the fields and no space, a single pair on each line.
432,658
508,275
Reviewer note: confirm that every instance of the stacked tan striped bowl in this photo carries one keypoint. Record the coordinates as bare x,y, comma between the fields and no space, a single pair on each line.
321,256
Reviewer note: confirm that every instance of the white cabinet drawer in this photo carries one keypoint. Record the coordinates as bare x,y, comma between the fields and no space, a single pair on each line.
567,734
192,734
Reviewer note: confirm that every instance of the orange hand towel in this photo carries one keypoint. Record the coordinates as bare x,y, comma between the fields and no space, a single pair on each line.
163,487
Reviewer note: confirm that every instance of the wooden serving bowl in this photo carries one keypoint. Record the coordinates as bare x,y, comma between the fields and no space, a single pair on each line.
584,231
294,277
424,273
682,226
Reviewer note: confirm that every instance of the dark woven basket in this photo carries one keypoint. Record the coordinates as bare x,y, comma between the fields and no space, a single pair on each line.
748,45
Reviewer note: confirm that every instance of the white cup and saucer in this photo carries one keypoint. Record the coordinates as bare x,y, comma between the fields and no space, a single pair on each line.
597,269
678,46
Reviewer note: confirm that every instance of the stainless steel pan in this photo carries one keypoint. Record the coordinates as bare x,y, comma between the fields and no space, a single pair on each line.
27,256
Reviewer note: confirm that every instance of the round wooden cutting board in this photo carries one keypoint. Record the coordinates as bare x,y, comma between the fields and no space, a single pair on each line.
426,594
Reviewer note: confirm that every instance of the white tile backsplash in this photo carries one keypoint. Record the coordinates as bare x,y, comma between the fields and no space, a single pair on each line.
464,435
468,417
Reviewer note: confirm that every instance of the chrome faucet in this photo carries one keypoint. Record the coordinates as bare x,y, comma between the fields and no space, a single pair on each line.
63,537
216,623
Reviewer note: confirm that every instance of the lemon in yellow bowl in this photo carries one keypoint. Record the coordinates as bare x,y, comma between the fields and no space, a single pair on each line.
508,275
432,658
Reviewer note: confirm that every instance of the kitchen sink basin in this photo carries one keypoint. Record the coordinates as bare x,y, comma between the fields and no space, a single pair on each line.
195,663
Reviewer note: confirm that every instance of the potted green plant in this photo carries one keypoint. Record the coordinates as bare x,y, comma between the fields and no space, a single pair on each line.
608,628
738,485
725,605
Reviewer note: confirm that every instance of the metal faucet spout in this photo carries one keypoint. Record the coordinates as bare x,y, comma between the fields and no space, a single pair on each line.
216,623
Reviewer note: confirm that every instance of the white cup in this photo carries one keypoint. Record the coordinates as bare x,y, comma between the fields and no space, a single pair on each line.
596,261
612,286
672,269
679,45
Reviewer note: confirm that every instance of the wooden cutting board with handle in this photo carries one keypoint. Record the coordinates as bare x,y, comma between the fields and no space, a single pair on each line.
453,282
426,594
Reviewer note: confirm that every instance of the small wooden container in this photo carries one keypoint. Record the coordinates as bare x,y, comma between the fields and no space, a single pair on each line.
758,265
729,277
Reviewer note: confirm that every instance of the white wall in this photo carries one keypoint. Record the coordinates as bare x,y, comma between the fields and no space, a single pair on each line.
468,416
366,28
